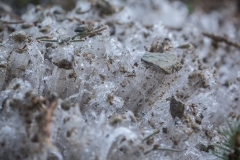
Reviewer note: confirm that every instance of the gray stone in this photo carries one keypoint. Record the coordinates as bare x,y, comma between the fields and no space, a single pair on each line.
166,61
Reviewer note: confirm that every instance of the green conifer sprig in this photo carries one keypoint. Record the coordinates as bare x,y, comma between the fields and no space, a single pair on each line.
229,147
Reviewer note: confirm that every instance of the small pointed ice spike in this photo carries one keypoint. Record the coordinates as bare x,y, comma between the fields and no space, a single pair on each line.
166,61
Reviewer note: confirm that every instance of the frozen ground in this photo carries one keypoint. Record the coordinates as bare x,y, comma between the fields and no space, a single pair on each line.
97,100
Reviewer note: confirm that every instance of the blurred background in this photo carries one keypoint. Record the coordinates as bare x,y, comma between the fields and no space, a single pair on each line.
19,6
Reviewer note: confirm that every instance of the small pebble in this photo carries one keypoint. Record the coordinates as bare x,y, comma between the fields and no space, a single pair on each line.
66,104
44,29
27,25
201,147
63,64
198,120
150,141
210,148
115,119
165,130
176,108
195,127
209,134
188,131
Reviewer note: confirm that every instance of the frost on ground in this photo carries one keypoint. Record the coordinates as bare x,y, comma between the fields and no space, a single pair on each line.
97,100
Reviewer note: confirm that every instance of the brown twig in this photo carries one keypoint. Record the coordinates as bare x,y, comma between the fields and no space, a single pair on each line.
24,46
92,32
46,37
108,65
219,38
29,41
17,22
74,18
130,74
174,28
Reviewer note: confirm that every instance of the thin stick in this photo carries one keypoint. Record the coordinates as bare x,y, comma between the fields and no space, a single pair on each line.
79,34
46,37
24,46
74,18
48,40
93,32
130,74
108,65
6,22
219,38
160,148
30,40
152,134
77,40
53,40
82,35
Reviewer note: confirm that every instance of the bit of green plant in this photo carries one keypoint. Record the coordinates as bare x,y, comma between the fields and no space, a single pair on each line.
156,146
66,39
150,135
229,148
